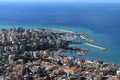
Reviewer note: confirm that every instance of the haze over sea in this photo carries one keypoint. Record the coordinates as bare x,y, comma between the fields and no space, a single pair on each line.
100,21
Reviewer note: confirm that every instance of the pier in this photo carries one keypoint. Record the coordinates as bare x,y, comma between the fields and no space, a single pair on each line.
88,44
95,46
83,36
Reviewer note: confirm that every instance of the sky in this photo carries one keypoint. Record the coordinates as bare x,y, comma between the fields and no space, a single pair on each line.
59,0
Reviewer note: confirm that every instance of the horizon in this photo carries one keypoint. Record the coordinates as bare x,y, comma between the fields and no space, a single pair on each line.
81,1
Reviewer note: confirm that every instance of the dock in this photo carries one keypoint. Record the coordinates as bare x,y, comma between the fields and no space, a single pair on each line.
88,44
95,46
83,36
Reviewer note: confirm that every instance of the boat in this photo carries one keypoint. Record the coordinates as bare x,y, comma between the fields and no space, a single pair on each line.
82,52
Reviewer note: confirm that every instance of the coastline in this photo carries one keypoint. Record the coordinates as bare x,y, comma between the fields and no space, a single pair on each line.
93,54
35,54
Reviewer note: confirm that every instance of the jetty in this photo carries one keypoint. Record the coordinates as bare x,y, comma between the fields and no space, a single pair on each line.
88,44
95,46
83,36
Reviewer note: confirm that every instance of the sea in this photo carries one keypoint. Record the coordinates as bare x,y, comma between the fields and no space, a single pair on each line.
100,21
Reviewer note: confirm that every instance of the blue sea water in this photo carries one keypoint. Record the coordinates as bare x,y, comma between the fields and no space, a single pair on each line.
100,21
